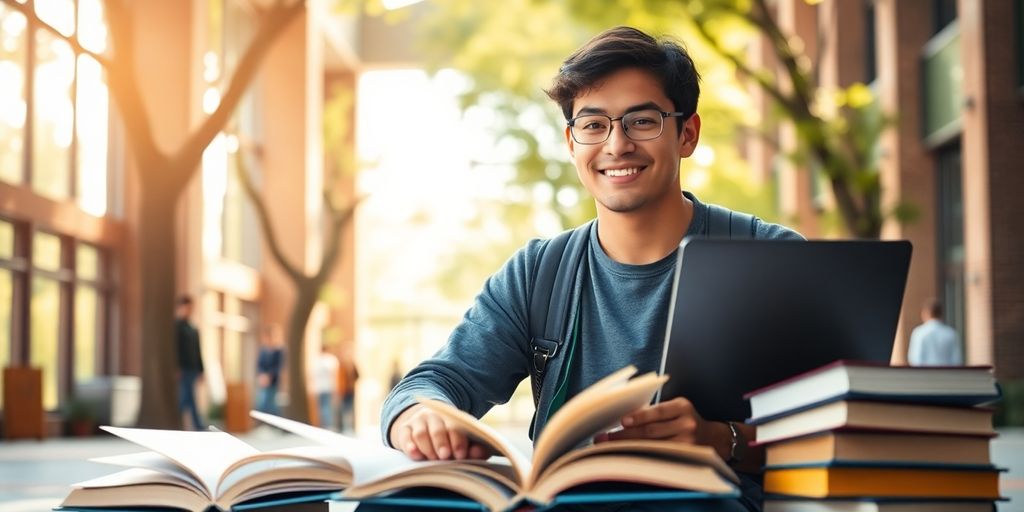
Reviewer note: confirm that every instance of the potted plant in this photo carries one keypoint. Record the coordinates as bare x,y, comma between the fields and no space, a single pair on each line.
80,417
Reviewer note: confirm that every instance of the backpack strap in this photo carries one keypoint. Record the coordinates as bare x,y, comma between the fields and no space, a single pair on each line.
725,223
553,284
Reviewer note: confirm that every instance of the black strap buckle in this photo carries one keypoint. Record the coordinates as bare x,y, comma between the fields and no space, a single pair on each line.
543,350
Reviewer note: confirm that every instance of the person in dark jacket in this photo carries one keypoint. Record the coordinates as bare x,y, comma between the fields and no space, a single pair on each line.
190,361
268,369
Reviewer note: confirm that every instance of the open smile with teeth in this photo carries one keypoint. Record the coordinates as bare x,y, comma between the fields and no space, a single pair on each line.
621,172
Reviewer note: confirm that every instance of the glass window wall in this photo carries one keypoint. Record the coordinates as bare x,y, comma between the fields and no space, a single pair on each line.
12,94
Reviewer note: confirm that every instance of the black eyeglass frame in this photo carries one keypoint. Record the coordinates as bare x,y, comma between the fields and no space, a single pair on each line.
611,125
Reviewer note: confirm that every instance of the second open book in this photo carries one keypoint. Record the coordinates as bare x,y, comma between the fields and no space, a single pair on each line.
555,467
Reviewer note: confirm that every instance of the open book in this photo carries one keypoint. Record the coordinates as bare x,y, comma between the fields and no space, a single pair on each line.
196,470
556,466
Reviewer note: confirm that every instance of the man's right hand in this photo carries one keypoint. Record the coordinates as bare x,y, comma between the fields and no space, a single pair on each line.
425,435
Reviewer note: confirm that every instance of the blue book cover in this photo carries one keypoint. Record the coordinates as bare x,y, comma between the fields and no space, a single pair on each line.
603,493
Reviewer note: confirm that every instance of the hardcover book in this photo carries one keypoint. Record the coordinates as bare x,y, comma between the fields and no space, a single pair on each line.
879,446
893,417
855,380
853,481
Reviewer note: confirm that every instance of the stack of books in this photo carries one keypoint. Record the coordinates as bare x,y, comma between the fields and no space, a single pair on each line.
862,437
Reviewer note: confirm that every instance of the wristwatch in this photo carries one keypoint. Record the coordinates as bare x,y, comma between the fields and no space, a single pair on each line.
738,448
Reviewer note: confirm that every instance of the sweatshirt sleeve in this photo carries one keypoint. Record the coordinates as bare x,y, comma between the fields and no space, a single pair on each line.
487,354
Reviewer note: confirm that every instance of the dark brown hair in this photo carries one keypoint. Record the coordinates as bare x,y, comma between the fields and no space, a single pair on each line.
934,308
627,47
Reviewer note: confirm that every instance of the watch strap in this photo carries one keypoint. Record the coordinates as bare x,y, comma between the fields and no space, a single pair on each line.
738,446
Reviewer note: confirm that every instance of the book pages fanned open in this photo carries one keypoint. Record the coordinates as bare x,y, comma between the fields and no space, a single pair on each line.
557,465
197,470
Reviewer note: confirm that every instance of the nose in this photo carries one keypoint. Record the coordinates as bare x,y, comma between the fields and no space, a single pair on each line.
618,143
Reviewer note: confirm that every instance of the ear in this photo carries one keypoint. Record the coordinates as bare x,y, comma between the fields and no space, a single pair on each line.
569,142
690,136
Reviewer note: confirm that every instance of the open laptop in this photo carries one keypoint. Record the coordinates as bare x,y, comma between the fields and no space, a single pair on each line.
745,314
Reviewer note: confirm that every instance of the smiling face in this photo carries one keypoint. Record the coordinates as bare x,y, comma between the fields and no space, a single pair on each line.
624,175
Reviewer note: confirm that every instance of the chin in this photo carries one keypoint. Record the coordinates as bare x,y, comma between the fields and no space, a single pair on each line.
623,205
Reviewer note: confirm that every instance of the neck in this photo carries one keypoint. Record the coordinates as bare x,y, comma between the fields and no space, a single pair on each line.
647,235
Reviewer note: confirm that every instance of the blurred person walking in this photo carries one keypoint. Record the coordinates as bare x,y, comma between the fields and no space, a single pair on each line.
268,369
190,361
933,343
348,376
325,382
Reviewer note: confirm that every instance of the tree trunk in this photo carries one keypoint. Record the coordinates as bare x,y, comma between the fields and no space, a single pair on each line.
159,407
298,396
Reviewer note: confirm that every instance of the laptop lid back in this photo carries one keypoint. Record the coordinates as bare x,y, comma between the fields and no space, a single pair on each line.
746,314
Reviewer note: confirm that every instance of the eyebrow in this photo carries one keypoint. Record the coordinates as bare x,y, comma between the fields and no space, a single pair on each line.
650,105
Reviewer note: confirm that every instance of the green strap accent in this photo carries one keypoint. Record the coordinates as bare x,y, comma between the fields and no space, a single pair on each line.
562,391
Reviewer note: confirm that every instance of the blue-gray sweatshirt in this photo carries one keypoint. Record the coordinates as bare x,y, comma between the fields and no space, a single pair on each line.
622,321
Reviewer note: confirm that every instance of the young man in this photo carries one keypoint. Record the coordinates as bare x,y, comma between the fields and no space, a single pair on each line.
630,103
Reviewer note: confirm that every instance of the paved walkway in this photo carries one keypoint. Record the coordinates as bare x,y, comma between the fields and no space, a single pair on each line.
35,476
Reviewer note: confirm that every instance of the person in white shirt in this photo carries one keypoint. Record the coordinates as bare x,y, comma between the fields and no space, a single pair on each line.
933,343
325,382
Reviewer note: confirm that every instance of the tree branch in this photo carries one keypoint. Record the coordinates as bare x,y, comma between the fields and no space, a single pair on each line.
762,18
127,93
765,136
264,217
339,220
762,82
272,23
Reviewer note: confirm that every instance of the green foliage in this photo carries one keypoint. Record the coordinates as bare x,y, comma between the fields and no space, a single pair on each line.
77,409
905,212
215,412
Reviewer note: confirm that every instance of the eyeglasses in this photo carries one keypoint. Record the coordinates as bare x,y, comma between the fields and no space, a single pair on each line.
639,125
